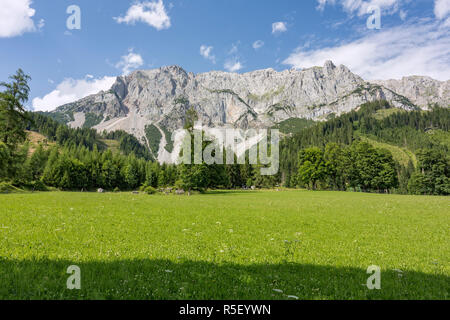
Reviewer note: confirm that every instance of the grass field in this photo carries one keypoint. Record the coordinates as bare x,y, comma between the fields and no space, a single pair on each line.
224,245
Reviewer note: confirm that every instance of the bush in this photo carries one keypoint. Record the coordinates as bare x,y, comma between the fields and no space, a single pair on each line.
150,190
38,186
116,189
6,187
180,185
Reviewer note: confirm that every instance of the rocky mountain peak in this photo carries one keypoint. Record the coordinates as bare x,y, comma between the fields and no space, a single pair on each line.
329,65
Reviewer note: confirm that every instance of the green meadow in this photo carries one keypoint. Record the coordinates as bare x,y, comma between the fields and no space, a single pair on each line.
224,245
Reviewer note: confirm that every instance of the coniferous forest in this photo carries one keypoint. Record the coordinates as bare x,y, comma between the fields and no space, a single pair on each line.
375,149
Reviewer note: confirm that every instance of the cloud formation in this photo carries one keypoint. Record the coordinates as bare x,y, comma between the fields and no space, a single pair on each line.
322,3
278,27
129,62
206,52
258,44
361,7
419,48
71,90
152,13
234,48
233,65
41,24
16,18
441,8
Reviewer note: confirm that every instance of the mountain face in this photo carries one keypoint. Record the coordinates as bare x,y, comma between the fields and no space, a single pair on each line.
158,99
422,91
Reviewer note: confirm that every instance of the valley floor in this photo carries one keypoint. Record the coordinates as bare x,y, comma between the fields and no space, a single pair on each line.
224,245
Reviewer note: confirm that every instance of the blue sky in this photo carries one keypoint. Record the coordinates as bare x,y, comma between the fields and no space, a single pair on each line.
117,37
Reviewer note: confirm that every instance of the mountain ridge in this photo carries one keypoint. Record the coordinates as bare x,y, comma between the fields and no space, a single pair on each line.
256,99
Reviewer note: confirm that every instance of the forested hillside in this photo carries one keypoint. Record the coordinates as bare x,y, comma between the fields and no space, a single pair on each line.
89,138
374,149
345,152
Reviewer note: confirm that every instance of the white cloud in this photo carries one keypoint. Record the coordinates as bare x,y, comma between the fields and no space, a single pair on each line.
419,48
361,7
71,90
41,24
322,3
234,48
447,23
129,62
258,44
387,6
403,14
206,52
233,65
441,8
152,13
278,27
16,18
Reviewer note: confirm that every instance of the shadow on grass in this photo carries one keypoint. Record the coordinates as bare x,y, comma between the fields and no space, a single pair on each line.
191,280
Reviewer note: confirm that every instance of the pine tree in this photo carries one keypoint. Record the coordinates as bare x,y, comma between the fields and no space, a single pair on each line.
13,116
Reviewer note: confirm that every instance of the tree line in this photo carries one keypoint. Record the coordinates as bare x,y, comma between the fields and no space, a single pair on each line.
326,156
424,133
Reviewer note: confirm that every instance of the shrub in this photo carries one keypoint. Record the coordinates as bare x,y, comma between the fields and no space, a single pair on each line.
6,187
38,185
150,190
116,189
180,185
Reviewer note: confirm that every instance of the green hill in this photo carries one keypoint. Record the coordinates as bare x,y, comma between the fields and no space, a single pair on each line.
402,156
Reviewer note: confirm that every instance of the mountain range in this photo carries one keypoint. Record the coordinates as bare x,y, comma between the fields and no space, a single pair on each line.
150,104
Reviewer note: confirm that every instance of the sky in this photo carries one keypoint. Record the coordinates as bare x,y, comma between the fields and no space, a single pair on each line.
74,48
